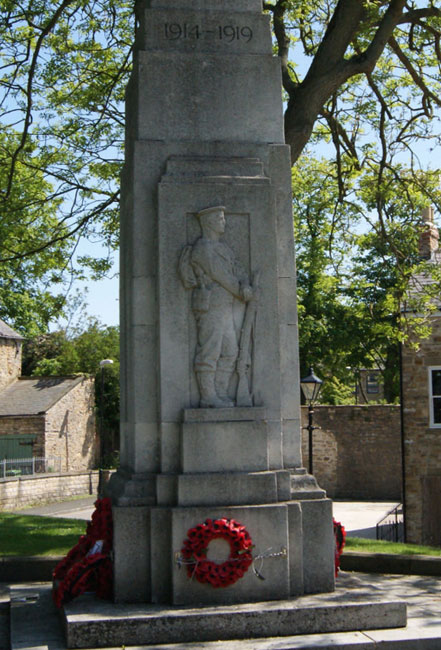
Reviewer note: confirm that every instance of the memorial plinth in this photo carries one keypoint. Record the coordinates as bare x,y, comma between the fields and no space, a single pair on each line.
210,386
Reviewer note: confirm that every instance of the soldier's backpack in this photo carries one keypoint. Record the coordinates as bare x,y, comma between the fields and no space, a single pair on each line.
185,269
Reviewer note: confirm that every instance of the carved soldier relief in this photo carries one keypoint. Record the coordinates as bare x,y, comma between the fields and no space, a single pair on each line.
210,270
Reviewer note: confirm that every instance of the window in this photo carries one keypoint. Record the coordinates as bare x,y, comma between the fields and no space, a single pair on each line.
435,396
372,385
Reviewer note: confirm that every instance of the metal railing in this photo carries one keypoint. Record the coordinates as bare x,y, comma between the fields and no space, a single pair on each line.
10,467
391,527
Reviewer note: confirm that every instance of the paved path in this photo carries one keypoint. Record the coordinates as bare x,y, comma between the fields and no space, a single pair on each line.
81,508
358,517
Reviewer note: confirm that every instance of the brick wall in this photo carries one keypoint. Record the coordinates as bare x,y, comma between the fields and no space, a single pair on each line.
422,443
357,451
10,361
70,428
31,490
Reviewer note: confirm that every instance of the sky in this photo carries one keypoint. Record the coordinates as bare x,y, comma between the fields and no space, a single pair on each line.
101,297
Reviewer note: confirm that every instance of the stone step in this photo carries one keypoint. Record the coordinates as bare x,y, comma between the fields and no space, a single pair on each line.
92,623
414,637
36,625
34,620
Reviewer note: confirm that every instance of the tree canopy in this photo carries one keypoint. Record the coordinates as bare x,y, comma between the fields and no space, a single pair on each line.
361,82
362,90
368,65
63,69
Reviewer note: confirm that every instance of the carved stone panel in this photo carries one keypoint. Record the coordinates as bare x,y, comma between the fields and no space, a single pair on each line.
247,235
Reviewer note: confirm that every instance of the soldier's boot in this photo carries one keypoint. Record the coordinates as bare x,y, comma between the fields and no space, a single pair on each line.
209,397
222,382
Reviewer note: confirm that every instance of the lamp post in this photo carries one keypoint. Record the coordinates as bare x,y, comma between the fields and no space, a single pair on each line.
103,364
311,386
356,381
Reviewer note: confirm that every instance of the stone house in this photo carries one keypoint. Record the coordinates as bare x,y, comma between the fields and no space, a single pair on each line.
44,417
369,385
421,413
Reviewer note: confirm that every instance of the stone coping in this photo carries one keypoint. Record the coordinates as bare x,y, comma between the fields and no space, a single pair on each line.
39,568
28,569
46,475
424,565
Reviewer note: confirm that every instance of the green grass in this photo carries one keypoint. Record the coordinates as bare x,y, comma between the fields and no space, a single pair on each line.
27,535
373,546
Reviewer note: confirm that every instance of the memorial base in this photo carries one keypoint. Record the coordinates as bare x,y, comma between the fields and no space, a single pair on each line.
90,623
287,516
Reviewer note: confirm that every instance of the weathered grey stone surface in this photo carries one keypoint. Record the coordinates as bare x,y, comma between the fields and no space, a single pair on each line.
224,446
131,543
207,114
318,546
224,302
228,5
267,525
227,489
132,625
215,33
198,136
236,414
248,232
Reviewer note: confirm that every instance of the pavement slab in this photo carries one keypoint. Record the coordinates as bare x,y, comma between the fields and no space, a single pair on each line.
36,624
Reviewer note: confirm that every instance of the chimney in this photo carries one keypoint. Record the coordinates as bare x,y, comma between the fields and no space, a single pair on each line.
429,235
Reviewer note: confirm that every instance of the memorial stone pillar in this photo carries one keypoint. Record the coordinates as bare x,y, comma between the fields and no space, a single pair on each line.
210,418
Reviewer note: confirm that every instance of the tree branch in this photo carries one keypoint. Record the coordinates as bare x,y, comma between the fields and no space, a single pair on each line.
416,77
283,42
339,133
367,60
83,222
28,114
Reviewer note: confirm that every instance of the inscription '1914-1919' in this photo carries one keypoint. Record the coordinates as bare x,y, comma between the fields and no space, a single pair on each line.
227,33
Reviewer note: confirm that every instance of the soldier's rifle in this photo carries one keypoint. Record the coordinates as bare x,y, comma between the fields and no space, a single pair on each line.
243,395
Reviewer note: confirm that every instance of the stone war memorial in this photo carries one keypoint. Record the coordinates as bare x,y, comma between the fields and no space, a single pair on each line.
210,416
213,512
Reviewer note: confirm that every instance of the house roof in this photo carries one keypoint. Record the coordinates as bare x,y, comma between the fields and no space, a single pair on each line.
35,395
7,332
419,283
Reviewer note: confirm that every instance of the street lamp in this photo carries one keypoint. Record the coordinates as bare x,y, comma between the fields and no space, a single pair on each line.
311,386
356,381
103,364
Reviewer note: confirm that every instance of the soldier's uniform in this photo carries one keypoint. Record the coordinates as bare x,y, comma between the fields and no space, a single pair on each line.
219,282
216,279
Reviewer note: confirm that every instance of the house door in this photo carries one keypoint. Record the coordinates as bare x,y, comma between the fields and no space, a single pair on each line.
16,446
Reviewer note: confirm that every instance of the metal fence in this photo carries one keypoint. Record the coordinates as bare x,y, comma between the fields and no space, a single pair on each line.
10,467
391,527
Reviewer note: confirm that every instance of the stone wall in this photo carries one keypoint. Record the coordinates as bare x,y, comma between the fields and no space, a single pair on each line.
356,451
10,361
31,490
70,428
422,442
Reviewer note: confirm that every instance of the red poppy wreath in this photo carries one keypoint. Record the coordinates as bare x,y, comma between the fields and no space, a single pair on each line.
194,552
